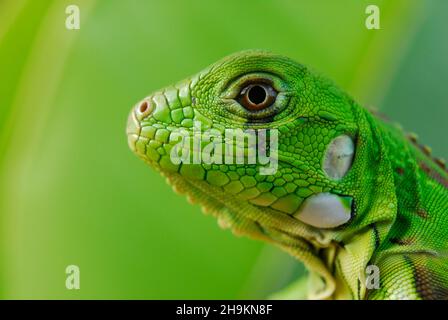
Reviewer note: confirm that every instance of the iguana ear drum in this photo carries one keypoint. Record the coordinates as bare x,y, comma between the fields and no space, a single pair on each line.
339,157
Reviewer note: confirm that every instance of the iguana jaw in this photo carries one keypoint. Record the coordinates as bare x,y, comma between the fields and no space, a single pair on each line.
244,218
228,208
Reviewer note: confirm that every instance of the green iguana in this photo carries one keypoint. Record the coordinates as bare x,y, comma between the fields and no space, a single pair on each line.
277,152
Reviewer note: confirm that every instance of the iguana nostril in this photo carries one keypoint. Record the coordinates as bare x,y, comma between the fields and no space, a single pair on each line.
144,108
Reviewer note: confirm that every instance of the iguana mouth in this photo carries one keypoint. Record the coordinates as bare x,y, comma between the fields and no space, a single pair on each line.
132,130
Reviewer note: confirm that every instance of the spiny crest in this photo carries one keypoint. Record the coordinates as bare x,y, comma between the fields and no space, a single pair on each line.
427,150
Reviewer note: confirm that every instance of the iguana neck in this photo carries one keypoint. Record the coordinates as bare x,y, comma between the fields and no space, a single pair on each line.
421,184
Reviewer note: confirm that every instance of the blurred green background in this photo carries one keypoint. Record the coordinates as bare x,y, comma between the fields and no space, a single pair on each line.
72,193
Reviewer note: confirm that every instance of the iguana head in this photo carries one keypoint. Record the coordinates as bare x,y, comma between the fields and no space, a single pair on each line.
269,147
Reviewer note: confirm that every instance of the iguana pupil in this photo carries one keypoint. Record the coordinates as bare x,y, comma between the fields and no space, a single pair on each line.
257,94
256,97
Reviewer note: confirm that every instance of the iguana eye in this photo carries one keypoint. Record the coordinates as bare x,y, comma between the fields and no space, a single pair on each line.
257,96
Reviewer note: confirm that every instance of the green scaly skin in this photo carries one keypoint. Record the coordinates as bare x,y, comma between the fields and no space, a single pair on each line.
399,214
